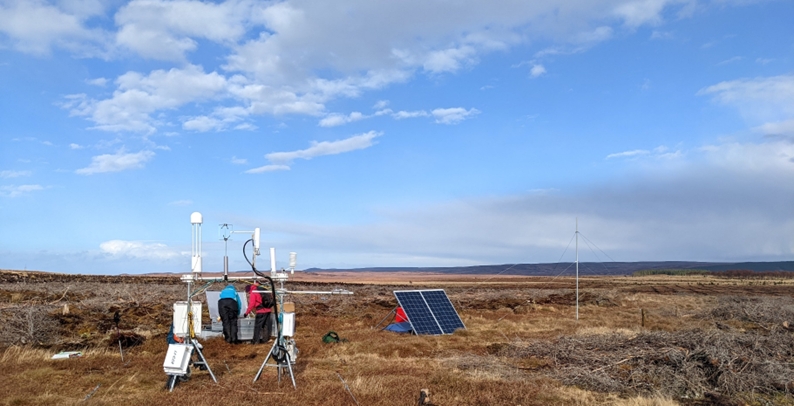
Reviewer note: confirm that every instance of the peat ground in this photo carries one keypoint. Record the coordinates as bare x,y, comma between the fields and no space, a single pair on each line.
702,340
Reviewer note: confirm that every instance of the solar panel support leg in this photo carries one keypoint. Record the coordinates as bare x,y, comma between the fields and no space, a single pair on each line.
384,319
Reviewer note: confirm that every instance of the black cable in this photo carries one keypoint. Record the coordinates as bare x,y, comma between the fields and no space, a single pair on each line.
275,304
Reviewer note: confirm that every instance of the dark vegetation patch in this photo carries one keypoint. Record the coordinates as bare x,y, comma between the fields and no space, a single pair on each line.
685,364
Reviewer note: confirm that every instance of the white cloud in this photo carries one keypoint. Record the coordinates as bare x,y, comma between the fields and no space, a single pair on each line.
662,35
14,174
293,57
119,161
590,38
239,161
101,82
761,100
537,70
140,250
784,128
166,30
245,127
628,154
35,26
203,124
75,146
730,60
636,13
268,168
138,96
410,114
380,104
658,153
449,60
16,191
316,149
335,119
453,115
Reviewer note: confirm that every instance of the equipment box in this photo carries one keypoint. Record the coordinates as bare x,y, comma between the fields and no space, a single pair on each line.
177,359
245,328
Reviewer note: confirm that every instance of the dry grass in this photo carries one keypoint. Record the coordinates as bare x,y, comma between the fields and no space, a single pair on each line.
522,346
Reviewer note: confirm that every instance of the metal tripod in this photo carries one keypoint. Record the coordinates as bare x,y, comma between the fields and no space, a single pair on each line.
201,364
280,355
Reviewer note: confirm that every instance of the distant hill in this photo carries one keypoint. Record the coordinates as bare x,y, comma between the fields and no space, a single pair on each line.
585,268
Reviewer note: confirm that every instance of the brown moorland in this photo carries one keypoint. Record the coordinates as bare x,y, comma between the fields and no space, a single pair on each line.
649,340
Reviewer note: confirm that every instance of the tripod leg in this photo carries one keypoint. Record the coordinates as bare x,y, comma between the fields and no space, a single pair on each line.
269,354
171,383
289,366
204,360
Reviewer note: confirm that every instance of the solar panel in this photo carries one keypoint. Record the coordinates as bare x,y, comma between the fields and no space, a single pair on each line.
429,311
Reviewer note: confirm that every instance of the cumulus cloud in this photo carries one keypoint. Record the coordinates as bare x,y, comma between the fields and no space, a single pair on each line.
335,119
453,115
117,162
636,13
537,70
19,190
203,124
138,96
36,26
166,30
410,114
140,250
294,57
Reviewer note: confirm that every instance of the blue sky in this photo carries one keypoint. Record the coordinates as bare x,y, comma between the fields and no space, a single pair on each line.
412,133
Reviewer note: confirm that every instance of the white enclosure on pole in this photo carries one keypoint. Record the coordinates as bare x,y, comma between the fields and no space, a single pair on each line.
272,260
196,219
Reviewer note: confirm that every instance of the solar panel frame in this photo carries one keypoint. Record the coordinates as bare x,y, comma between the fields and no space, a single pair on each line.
443,310
429,311
418,312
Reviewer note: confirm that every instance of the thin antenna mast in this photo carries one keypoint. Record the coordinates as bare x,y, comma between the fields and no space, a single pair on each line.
577,268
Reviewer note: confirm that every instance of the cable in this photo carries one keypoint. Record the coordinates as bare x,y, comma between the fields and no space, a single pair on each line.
279,350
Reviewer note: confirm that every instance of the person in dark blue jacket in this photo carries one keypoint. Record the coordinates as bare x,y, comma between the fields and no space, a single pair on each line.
229,309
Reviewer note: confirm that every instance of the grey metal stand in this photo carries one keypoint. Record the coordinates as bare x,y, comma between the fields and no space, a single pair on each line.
202,361
393,311
287,363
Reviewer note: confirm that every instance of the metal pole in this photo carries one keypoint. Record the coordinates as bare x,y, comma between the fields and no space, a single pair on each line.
577,268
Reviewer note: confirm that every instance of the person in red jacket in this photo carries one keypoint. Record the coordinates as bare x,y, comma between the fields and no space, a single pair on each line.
261,302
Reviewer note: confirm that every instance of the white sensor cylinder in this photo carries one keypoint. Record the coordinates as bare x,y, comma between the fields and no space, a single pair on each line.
293,261
272,260
256,241
196,220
